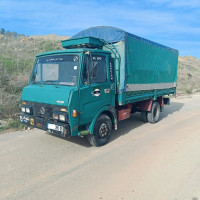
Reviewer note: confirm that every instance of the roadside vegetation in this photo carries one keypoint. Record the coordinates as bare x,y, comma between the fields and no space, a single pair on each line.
17,54
188,75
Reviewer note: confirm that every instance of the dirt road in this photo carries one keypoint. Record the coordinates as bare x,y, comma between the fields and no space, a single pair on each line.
142,161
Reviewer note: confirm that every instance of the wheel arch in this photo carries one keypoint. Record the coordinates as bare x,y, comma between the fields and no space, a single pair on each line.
146,105
108,110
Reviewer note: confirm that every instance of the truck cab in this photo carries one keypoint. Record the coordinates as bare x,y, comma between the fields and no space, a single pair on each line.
68,89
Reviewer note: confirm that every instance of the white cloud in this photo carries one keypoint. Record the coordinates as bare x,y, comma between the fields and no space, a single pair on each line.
178,3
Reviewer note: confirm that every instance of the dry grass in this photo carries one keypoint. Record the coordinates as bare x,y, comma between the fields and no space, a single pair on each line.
16,62
50,37
188,75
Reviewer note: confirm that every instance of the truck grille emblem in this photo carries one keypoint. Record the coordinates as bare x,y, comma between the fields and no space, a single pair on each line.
42,110
58,101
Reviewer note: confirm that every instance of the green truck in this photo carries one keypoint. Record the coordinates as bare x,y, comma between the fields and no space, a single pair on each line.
102,76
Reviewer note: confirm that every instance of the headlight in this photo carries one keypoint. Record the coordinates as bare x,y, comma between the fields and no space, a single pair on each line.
62,118
28,110
55,116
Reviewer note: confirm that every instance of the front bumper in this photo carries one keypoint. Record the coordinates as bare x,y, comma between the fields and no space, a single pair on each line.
57,128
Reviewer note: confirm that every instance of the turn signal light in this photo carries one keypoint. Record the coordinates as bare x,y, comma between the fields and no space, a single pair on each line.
74,114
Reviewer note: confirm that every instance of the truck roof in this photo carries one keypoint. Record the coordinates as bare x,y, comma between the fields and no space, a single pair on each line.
83,42
72,51
113,35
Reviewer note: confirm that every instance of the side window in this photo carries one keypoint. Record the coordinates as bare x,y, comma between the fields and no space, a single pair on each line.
86,71
98,69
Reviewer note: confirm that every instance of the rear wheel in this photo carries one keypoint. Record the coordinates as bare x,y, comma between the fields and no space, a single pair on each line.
102,130
144,116
154,115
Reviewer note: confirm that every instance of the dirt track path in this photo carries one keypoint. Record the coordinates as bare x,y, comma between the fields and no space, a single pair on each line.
142,161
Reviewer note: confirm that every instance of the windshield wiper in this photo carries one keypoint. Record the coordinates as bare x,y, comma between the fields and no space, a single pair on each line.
52,82
34,82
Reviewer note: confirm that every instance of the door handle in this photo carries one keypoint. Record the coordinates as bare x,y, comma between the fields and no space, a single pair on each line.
96,92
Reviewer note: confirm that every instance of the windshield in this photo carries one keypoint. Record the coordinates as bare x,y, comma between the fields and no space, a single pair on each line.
58,70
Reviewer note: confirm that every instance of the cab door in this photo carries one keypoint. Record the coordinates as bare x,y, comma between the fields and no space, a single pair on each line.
96,88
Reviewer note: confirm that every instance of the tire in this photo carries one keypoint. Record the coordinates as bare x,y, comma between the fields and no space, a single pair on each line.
102,131
144,116
133,109
154,115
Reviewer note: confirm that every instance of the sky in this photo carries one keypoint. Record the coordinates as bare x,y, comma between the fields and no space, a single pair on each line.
174,23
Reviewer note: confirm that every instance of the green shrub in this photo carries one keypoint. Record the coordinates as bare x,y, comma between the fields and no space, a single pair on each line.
16,62
13,124
188,90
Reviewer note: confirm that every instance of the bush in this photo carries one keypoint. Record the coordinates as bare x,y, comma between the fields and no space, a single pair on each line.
188,90
16,61
12,124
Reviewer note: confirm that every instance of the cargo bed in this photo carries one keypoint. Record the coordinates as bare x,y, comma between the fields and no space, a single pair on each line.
144,69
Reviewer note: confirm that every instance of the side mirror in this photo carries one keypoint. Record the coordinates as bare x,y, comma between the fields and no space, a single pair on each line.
87,53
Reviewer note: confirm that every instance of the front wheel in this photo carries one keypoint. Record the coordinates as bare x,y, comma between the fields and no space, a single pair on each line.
102,130
154,115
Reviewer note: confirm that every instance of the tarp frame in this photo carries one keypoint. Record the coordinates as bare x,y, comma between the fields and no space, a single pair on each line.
144,65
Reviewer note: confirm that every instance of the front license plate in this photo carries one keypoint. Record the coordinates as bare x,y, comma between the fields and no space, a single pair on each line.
55,127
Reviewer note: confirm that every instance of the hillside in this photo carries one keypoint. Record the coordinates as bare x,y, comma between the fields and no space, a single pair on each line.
16,62
17,58
50,37
188,75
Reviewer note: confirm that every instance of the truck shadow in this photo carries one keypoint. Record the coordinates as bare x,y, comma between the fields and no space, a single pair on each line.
126,126
82,141
135,121
170,109
79,141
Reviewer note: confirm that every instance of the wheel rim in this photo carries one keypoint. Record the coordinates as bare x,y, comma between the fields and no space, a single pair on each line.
103,130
